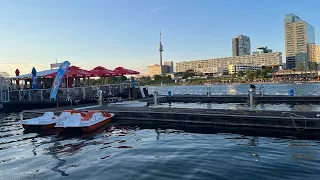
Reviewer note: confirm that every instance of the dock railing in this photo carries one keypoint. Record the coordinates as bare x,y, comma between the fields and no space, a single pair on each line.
4,90
67,94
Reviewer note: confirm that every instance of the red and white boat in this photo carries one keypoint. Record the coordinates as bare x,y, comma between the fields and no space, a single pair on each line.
47,121
84,121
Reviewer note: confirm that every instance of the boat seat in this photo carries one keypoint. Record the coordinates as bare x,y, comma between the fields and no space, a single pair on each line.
89,115
65,114
49,115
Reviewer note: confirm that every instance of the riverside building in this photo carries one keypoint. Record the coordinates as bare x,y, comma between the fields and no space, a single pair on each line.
298,35
213,66
241,46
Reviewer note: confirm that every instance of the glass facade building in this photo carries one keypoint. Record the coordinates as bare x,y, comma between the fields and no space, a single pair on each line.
298,35
241,46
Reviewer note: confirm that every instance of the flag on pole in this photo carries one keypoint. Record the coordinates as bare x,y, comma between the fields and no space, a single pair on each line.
34,78
57,80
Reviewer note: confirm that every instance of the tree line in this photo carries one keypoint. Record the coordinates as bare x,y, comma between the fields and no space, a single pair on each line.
301,66
257,74
108,80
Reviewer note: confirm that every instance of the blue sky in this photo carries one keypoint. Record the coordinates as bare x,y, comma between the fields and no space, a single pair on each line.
126,32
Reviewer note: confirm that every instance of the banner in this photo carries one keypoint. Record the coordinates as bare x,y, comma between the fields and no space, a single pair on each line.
132,82
34,78
57,80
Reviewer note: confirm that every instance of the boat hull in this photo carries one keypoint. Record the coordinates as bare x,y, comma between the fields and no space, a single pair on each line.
95,126
38,127
85,129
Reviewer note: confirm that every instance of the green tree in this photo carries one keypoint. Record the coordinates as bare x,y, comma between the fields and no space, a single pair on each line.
232,76
123,78
257,73
300,66
264,73
157,77
112,80
145,78
240,73
314,66
270,70
188,73
249,74
200,74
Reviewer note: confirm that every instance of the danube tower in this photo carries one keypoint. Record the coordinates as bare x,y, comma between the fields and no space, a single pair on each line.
160,50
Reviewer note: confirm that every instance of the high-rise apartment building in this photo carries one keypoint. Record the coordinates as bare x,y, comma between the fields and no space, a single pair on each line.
298,34
314,53
241,46
170,66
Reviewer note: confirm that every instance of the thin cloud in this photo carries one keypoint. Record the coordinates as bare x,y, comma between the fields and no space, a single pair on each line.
156,9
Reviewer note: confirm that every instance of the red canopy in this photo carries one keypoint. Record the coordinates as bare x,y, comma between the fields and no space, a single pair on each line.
100,71
124,71
73,72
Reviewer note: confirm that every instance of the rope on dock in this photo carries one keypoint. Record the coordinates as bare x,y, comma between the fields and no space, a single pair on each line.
294,124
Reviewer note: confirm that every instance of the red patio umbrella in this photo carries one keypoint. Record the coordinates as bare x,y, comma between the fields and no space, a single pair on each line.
17,74
100,71
124,71
73,72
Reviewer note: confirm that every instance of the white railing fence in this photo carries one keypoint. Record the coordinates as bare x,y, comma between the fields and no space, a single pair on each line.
67,94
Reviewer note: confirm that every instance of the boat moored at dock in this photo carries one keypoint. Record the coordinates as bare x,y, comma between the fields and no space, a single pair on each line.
47,121
84,122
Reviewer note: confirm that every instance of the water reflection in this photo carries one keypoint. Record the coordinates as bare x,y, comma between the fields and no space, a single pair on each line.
231,89
158,133
300,157
35,146
253,141
53,151
129,149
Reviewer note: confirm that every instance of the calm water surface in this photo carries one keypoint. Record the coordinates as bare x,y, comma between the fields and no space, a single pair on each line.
133,152
243,106
312,89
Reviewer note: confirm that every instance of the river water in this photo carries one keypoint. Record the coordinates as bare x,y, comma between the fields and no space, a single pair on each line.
127,150
304,89
122,151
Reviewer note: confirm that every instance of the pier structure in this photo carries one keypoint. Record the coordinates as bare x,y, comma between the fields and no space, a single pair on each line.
17,100
239,119
4,91
252,120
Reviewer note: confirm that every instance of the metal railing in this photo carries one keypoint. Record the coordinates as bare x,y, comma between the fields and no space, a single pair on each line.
4,90
68,94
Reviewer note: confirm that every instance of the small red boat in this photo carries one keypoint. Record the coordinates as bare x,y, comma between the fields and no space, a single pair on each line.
85,122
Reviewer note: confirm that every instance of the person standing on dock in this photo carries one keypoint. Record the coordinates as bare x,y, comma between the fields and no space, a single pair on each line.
252,88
